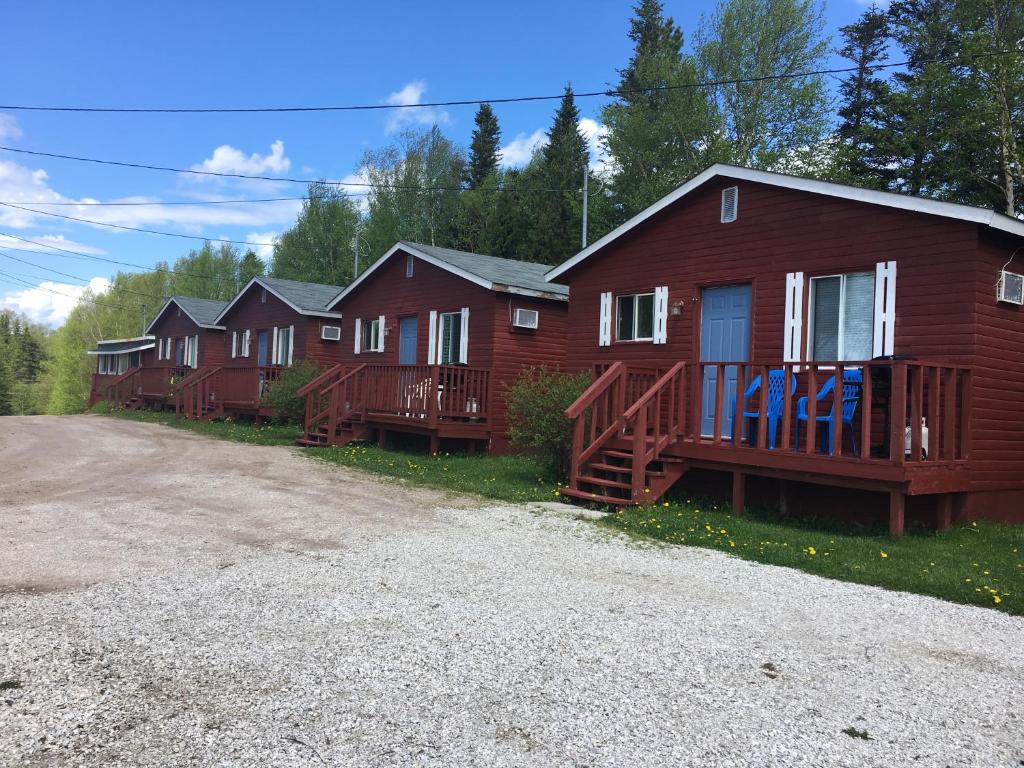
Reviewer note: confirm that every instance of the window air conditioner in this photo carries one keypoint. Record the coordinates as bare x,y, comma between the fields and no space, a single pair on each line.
1011,288
330,333
526,318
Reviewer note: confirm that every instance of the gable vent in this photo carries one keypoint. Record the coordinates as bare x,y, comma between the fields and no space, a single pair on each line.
730,204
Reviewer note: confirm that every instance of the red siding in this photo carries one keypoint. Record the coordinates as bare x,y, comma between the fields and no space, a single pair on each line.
945,296
492,345
253,315
176,324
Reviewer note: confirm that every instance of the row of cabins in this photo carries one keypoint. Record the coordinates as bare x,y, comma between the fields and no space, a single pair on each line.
755,334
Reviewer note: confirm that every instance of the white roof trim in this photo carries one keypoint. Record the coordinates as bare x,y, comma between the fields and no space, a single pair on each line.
138,348
308,312
889,199
172,300
147,337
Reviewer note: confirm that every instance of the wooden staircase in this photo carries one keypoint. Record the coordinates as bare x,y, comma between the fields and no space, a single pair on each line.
196,396
619,453
332,414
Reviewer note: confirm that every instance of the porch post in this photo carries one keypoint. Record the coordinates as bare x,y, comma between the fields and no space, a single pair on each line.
897,504
944,507
739,487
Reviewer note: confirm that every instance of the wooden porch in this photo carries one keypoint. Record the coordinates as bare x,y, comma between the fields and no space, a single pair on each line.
137,386
213,391
899,427
347,403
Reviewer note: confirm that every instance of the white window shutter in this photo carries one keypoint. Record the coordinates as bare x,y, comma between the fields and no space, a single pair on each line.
793,339
159,349
432,338
291,343
380,334
195,351
188,351
246,338
359,334
605,328
885,308
274,346
661,315
234,344
464,337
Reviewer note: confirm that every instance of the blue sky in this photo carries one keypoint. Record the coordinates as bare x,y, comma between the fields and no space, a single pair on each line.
260,54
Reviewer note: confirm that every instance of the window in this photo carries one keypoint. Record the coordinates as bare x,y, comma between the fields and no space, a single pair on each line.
239,343
842,310
372,341
635,317
122,363
284,346
451,337
193,352
408,264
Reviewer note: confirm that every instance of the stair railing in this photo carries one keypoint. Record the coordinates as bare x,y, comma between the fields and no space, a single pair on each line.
343,400
125,385
191,393
655,421
597,417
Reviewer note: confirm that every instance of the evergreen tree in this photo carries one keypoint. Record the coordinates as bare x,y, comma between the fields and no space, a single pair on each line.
320,247
555,178
249,267
483,149
657,129
864,98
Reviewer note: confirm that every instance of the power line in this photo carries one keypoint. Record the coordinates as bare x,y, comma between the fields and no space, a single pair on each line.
510,99
135,229
80,255
72,277
27,284
285,179
151,203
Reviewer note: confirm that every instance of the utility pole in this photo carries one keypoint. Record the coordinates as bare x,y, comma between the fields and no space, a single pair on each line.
586,178
355,266
143,319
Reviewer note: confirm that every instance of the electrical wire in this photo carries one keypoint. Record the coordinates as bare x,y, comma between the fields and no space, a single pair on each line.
157,202
27,284
136,229
71,277
962,59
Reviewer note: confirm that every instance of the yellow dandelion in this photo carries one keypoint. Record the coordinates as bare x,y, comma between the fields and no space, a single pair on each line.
883,554
812,551
997,599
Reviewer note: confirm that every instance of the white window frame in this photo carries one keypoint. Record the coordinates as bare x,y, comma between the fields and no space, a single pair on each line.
840,351
240,343
372,330
284,355
457,357
636,317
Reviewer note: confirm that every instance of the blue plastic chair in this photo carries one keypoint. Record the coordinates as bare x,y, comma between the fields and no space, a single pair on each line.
775,401
853,380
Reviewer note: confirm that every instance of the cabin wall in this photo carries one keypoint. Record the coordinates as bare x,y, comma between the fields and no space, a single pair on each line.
997,418
390,293
177,324
515,349
778,231
253,315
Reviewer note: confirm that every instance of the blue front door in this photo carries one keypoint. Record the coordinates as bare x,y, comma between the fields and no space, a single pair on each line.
724,338
261,355
407,340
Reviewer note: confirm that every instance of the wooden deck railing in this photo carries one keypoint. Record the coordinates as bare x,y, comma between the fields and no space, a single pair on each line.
902,412
424,394
124,386
193,393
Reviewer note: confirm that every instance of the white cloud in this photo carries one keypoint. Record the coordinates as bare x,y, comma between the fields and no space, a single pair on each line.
9,128
50,302
40,243
412,93
266,251
228,159
519,151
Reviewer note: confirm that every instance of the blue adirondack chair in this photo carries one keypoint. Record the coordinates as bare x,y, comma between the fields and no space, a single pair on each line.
776,397
852,382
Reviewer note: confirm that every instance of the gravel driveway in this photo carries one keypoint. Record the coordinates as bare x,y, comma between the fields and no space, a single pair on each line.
170,600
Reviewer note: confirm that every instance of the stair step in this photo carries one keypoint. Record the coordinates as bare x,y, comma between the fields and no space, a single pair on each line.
617,454
619,470
310,443
595,497
591,480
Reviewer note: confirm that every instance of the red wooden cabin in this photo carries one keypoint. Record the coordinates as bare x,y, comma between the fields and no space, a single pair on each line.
268,326
118,362
740,274
430,339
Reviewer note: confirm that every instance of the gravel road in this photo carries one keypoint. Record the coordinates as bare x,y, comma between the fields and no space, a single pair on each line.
169,600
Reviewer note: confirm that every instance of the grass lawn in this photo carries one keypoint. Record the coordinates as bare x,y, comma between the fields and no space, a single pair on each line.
979,563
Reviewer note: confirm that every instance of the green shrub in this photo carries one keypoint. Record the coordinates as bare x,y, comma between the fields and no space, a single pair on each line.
280,395
536,414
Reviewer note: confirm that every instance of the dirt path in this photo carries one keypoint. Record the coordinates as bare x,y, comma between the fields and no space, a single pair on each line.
87,498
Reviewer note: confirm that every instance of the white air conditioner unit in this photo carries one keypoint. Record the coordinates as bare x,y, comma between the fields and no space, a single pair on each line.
330,333
1011,288
526,318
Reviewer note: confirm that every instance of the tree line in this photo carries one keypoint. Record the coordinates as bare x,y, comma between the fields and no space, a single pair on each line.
746,90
